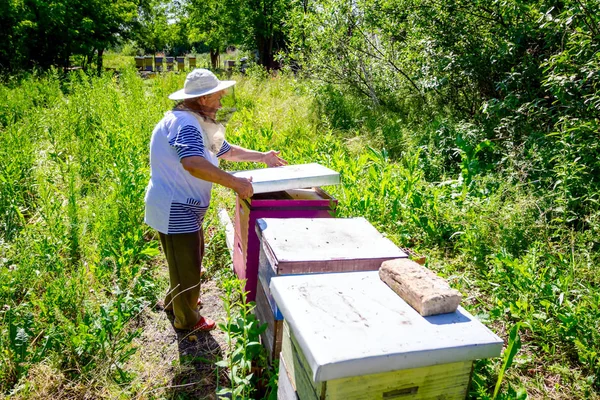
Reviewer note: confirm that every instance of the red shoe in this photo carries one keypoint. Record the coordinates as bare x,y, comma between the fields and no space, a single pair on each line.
204,324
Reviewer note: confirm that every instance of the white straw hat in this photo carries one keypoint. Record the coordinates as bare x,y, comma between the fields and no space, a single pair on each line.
200,82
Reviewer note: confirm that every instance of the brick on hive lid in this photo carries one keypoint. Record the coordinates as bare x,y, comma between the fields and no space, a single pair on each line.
421,288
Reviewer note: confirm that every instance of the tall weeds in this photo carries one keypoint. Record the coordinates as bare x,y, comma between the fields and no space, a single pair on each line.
75,256
74,248
492,234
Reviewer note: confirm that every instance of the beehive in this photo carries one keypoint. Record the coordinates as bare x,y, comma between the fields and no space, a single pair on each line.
158,63
349,336
309,203
148,64
305,245
139,63
272,338
180,63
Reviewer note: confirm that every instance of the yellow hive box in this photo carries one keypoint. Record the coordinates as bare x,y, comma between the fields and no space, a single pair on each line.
447,381
348,336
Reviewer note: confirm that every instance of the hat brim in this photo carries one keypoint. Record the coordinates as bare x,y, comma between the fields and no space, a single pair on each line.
182,95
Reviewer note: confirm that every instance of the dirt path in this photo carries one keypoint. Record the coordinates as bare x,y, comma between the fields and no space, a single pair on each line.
170,365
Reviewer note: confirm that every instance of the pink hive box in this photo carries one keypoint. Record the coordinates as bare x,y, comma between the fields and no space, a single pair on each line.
293,203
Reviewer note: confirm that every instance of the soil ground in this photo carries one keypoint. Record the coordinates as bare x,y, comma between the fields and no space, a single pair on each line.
176,364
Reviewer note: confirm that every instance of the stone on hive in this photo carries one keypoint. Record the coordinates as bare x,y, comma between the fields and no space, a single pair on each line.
422,289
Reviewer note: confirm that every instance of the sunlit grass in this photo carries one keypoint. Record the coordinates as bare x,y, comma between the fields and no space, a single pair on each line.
77,263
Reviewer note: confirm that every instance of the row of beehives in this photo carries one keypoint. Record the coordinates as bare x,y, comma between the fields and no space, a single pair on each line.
159,64
337,329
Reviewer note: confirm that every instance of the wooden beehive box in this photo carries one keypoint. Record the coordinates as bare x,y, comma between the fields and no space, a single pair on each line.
292,203
169,63
348,336
305,245
139,63
273,336
149,63
158,63
180,63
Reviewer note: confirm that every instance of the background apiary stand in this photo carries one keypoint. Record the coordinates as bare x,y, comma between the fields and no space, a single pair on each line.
349,336
305,245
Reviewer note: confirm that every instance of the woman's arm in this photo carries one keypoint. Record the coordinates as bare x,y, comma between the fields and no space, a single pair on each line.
201,168
237,153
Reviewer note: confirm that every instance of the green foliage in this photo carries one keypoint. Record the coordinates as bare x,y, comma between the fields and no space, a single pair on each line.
519,80
514,344
512,224
48,33
484,229
74,253
243,341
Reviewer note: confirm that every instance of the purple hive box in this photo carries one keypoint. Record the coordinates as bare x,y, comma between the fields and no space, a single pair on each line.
293,203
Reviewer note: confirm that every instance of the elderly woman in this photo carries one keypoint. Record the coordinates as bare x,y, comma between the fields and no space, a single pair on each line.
184,160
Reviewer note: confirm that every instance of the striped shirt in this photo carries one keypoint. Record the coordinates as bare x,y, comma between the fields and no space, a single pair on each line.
189,142
176,201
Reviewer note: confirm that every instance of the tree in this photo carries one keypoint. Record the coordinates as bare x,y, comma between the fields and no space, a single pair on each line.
106,22
152,26
263,23
256,24
520,76
10,42
215,23
178,42
47,33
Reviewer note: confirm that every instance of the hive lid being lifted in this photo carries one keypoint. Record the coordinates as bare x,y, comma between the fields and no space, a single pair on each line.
290,177
352,324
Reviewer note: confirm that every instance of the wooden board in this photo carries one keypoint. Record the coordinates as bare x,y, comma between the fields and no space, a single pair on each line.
285,389
329,314
290,177
271,338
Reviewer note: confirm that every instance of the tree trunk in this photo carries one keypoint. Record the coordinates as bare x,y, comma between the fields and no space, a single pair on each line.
214,58
100,53
67,58
265,52
90,58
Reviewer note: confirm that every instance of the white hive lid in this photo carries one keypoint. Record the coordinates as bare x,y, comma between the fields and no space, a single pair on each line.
353,324
324,239
299,176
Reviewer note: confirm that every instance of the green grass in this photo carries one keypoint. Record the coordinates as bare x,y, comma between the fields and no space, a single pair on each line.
77,264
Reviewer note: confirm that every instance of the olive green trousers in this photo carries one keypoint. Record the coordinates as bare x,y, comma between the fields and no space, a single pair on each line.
184,252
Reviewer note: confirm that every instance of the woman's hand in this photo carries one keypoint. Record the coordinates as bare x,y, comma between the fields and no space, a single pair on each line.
272,159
